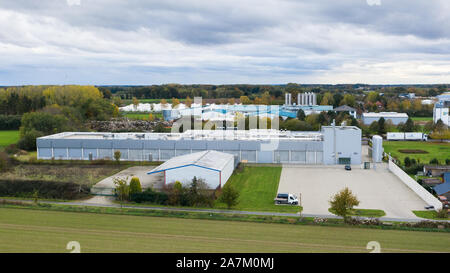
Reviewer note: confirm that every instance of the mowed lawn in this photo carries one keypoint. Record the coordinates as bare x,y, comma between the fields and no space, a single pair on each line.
8,137
142,116
441,151
258,187
24,230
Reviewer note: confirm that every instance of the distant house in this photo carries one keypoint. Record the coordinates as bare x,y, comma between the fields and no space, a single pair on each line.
432,181
396,118
346,108
435,170
442,108
444,188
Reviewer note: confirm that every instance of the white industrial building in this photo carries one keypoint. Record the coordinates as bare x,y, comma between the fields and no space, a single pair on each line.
395,117
214,168
441,109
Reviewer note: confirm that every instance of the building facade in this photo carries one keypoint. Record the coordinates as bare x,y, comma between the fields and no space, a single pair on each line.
441,109
254,146
395,118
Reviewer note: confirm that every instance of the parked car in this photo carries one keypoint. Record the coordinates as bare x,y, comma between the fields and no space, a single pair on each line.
348,167
429,207
286,198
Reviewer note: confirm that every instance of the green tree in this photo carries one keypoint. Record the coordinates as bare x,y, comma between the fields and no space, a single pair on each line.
135,185
407,161
408,126
301,114
122,189
117,156
229,196
381,126
343,202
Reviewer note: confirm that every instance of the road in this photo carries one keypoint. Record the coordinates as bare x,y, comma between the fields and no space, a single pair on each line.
75,203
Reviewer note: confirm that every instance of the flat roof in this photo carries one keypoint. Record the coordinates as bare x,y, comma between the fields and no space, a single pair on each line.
256,134
206,159
385,114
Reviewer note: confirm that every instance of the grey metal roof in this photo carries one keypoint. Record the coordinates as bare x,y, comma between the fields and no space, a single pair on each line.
442,188
206,159
344,108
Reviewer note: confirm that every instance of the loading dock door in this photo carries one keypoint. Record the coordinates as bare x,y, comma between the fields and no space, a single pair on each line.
344,160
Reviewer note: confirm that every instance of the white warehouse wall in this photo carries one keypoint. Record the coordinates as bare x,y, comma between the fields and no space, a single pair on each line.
186,174
227,171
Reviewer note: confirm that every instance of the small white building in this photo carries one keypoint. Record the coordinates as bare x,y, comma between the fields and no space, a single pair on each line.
395,117
441,109
215,168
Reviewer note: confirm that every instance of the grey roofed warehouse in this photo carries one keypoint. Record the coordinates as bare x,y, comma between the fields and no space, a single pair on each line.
213,167
331,145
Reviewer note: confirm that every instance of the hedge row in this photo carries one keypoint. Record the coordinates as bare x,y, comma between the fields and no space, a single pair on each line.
45,189
8,122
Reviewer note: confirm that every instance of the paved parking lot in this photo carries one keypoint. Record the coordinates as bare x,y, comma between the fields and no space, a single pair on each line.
375,189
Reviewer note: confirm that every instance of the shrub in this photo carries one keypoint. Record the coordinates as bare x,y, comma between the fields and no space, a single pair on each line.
135,185
442,213
45,189
10,122
4,162
28,140
407,161
117,155
11,149
434,161
150,196
229,196
447,161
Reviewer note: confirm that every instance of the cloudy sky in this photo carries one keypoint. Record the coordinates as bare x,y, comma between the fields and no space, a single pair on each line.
224,41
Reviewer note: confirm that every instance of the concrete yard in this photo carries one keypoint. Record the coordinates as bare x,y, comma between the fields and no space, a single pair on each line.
106,186
375,189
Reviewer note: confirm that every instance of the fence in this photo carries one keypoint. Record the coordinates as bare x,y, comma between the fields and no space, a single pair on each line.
416,187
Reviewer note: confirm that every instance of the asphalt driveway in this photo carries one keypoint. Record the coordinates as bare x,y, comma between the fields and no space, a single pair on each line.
376,189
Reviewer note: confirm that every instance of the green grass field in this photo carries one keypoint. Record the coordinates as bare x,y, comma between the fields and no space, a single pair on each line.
428,214
8,137
142,116
24,230
441,151
258,187
422,118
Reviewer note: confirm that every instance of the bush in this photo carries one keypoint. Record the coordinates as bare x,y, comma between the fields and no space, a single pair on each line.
229,196
447,161
28,140
150,196
442,213
10,122
434,161
11,149
135,185
4,162
46,189
407,161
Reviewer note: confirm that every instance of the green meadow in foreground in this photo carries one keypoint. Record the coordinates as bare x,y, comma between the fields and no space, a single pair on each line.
24,230
8,137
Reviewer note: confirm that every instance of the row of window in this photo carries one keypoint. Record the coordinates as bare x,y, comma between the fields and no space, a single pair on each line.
163,155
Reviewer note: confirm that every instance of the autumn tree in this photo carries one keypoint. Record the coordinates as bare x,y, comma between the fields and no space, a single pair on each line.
122,189
175,102
245,100
343,202
188,102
